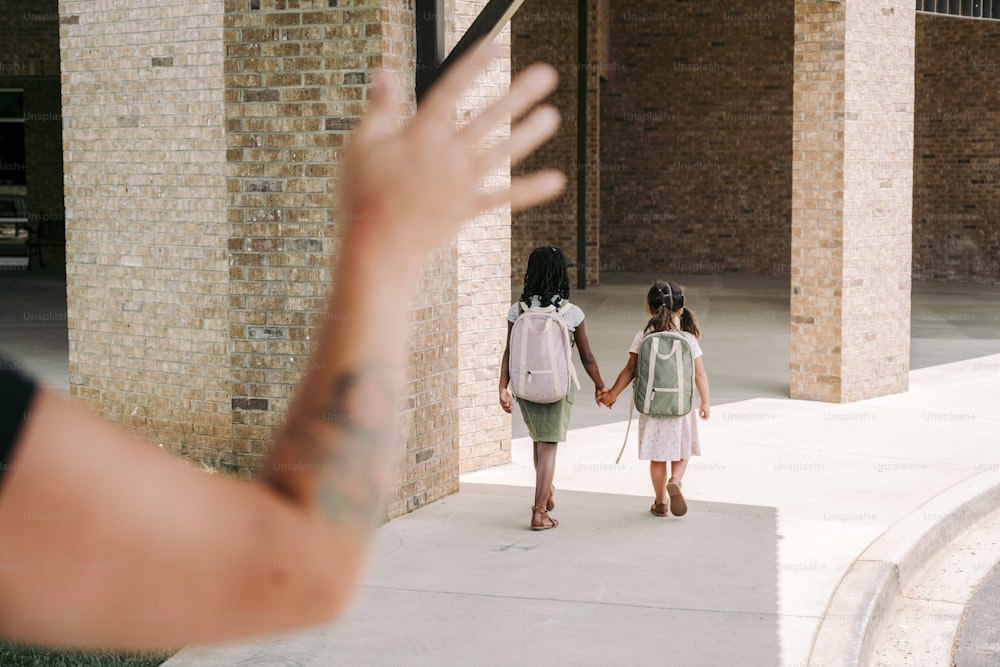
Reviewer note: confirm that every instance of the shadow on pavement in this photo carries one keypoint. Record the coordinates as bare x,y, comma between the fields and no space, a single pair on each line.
463,581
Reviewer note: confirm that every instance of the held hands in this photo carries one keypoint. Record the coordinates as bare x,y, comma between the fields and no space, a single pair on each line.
409,190
603,397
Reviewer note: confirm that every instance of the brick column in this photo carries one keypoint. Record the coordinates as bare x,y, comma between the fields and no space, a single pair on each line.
296,84
852,199
146,264
202,161
483,282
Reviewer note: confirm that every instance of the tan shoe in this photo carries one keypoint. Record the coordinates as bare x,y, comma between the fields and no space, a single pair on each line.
678,506
658,509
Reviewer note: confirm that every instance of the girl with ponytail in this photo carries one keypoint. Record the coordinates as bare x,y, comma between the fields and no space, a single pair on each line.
664,440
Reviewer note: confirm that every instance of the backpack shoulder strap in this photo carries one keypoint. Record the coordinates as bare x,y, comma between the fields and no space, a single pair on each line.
631,408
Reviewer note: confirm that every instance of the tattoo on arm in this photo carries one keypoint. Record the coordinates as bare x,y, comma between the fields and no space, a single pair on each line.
347,440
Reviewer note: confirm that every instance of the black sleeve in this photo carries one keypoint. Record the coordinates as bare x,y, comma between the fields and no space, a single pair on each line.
16,392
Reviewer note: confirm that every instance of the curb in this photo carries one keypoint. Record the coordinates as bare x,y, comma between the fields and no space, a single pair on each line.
872,586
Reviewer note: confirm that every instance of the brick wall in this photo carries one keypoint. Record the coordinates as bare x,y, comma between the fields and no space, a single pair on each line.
956,187
878,198
549,32
596,73
296,84
852,193
430,421
817,208
147,270
483,274
29,60
201,176
697,137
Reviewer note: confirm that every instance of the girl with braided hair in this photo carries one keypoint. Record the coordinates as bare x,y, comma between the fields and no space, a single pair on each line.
664,440
546,281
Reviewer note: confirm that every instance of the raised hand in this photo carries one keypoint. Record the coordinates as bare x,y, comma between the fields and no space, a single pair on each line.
411,189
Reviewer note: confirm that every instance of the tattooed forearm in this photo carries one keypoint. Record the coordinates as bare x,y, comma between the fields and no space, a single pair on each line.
346,439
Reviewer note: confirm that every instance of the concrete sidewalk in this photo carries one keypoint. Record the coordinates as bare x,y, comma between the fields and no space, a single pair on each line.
786,497
801,513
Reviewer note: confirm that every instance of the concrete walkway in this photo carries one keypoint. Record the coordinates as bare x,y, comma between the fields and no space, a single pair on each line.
806,518
802,515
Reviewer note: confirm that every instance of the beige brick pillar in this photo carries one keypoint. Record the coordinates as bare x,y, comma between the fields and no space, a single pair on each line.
144,175
852,198
483,281
202,167
296,85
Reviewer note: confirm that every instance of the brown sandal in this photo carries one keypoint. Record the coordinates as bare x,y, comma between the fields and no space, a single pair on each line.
678,506
550,504
658,509
542,526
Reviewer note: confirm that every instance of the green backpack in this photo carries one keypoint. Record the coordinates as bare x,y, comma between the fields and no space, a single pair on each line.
664,375
664,378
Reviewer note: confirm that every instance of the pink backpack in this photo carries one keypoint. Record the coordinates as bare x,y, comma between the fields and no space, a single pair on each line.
541,355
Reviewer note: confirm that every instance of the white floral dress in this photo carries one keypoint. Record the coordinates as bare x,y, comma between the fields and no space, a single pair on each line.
669,438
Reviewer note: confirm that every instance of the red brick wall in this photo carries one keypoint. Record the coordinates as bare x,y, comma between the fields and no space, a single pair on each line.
956,179
697,137
549,32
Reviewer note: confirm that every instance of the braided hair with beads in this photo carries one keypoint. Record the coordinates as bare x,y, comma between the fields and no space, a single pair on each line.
546,276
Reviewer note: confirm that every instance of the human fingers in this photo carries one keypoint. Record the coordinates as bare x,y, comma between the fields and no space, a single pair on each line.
540,125
379,120
531,86
526,191
441,98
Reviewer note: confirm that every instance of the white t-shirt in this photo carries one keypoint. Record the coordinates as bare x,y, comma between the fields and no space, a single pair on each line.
572,314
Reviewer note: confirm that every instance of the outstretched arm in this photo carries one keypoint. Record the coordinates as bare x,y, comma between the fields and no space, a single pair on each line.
107,541
622,381
588,360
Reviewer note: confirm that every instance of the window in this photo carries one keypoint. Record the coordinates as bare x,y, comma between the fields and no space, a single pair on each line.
979,9
13,173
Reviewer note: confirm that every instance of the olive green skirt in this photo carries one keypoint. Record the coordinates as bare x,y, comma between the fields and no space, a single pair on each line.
548,422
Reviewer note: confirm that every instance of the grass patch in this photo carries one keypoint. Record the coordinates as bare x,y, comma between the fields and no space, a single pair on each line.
21,655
